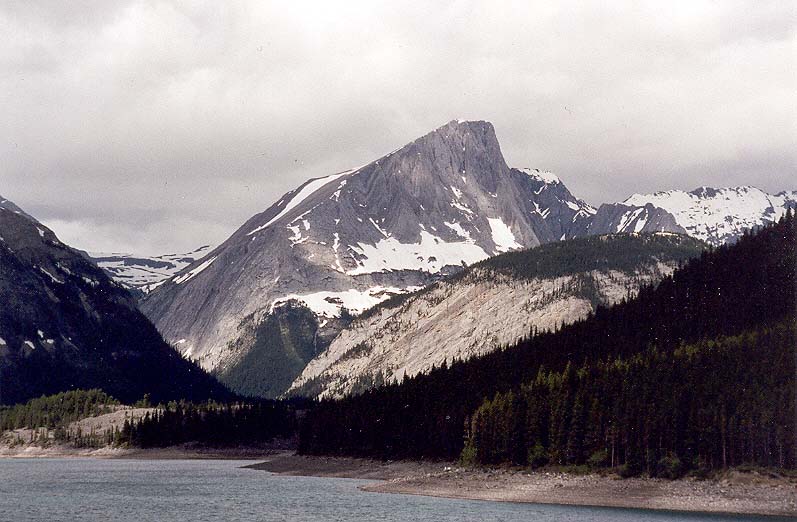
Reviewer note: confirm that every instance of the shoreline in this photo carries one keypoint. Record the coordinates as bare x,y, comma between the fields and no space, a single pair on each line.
732,493
185,452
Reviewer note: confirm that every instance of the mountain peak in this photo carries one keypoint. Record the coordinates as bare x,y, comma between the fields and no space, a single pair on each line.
457,129
547,177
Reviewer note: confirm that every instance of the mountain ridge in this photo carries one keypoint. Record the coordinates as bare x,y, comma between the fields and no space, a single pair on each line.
64,325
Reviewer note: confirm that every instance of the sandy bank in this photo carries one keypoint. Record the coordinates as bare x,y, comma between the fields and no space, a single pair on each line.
735,492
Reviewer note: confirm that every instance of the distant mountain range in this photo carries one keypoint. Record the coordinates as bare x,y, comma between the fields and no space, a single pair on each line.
144,274
719,216
716,216
341,244
64,324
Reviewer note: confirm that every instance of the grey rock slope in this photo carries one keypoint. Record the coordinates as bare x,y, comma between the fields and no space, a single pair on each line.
355,238
64,324
618,218
495,303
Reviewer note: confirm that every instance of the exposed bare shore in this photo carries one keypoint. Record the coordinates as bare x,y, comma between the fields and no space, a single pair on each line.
187,451
735,492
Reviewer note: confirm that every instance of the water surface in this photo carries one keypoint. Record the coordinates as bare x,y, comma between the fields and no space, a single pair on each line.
83,489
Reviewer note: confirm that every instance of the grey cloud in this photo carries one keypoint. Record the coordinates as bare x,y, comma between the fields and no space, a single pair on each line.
155,126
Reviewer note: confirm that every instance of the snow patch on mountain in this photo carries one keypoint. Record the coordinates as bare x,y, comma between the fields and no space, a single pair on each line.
503,237
194,272
629,218
329,304
305,192
145,273
430,255
549,178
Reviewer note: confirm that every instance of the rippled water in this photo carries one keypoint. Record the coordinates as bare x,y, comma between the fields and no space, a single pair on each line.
198,490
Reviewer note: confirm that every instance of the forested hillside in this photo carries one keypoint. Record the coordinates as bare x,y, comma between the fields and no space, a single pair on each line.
736,298
714,403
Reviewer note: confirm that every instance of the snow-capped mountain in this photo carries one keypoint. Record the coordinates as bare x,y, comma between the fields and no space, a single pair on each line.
357,237
341,244
64,324
145,273
719,216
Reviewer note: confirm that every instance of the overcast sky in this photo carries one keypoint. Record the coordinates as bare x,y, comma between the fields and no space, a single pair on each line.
155,127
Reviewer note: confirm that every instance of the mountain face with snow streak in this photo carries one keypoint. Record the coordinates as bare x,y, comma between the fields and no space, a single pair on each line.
144,274
618,218
64,324
495,303
356,238
719,216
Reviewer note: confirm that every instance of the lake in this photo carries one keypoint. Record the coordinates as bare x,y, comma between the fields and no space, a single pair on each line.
82,489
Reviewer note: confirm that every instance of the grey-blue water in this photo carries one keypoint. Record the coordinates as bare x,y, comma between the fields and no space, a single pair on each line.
199,490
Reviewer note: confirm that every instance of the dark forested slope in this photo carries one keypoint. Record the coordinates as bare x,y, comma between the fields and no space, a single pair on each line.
65,325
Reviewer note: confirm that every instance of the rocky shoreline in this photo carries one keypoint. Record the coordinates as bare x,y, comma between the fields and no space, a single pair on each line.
734,492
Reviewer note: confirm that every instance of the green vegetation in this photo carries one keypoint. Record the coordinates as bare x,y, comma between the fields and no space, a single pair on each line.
49,418
215,424
283,343
712,404
212,424
56,411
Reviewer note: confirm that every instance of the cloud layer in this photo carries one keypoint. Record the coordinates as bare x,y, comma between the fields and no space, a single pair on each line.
152,126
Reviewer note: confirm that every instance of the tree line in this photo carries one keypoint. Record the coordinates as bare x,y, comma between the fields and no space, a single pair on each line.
212,424
56,411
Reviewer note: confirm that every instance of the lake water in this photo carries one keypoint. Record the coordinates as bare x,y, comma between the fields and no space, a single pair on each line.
199,490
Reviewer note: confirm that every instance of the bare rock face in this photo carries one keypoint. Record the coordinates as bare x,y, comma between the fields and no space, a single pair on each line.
64,325
355,238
